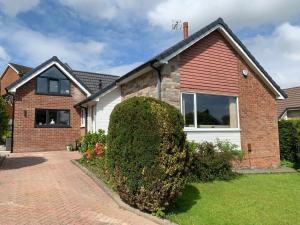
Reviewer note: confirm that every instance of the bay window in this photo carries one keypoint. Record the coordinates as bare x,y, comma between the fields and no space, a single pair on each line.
209,111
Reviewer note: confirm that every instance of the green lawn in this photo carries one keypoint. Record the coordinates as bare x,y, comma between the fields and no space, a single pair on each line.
251,199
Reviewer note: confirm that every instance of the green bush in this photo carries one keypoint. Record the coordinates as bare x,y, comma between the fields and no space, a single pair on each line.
289,140
3,118
209,161
146,157
89,141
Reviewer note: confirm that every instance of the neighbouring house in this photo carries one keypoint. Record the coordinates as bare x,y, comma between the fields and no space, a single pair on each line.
210,76
45,118
11,73
289,108
217,84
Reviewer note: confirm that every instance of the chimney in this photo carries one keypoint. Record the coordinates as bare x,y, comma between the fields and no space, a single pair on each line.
185,30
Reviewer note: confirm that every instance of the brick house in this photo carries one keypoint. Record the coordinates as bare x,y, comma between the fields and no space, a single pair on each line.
44,117
210,76
220,88
289,108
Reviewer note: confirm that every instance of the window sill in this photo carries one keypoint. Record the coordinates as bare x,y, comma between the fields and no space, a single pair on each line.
49,126
193,129
54,94
82,126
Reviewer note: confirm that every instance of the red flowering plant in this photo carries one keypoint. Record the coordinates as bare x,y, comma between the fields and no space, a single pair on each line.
99,149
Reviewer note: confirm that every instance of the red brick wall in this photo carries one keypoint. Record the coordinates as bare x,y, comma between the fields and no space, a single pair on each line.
258,122
212,66
209,66
27,138
8,78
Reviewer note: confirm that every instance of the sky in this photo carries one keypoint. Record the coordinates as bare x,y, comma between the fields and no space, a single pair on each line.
115,36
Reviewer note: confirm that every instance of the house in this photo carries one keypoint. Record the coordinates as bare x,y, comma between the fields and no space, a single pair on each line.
11,73
289,108
210,76
45,118
217,84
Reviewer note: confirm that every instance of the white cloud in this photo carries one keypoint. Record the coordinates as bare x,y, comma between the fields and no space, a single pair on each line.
122,69
4,55
112,9
279,53
13,7
236,12
35,47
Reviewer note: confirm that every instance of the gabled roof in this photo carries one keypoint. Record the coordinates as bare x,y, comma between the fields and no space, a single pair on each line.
92,80
290,103
220,25
44,66
21,70
176,49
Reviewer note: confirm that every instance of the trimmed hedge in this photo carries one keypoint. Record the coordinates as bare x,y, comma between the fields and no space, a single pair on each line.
289,140
146,154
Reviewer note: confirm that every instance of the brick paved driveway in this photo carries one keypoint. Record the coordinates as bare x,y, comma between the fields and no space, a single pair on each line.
46,188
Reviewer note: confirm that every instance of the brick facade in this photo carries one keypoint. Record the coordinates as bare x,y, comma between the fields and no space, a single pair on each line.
27,138
212,66
258,122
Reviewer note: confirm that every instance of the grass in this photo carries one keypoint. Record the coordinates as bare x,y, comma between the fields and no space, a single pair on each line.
269,199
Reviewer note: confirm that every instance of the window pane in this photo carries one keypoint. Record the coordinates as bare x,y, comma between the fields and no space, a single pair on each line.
215,111
40,118
188,109
52,117
53,86
42,86
54,73
65,87
64,118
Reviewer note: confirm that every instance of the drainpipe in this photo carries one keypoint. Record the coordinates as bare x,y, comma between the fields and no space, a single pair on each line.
12,125
158,79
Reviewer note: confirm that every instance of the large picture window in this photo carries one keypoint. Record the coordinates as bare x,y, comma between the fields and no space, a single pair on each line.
52,118
53,81
209,111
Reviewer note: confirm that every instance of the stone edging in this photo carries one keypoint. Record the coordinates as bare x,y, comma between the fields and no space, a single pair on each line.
117,199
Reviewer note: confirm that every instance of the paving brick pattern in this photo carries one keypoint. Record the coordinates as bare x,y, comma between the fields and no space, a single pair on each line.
46,188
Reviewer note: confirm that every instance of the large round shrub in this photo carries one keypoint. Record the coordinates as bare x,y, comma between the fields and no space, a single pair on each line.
146,157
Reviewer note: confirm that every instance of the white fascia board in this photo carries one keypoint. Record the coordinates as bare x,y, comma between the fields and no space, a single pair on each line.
97,98
36,73
13,68
237,47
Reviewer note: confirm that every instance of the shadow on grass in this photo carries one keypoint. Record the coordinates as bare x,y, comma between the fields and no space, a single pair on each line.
12,163
186,201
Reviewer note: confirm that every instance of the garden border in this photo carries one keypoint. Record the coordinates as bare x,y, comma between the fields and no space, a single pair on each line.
114,196
2,158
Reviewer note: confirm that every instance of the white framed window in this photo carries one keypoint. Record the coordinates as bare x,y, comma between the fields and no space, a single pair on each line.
82,117
208,111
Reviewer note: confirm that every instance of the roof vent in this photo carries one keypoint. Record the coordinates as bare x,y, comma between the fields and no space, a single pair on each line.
100,84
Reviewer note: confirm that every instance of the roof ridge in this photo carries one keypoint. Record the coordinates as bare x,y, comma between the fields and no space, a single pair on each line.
291,87
106,74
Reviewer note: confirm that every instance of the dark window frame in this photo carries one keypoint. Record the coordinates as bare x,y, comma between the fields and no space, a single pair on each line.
48,79
47,119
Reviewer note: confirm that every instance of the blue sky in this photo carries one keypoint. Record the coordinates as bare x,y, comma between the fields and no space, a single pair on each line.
117,35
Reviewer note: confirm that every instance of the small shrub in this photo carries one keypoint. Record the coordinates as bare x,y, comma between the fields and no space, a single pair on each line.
146,157
289,140
89,141
209,161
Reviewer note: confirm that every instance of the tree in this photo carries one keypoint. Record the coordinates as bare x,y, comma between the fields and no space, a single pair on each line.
3,118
